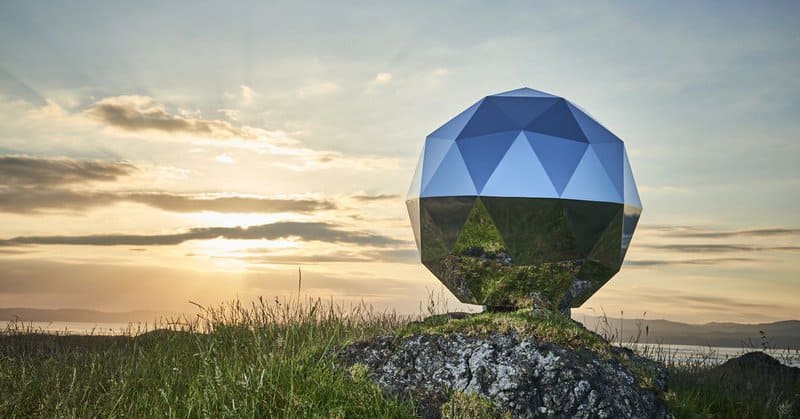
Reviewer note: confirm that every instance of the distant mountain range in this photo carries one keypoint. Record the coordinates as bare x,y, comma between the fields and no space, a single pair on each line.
82,316
780,335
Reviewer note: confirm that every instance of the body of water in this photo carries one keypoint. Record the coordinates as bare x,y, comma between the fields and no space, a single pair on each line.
712,355
79,328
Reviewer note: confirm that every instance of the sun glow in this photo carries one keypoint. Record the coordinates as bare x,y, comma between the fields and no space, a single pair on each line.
244,220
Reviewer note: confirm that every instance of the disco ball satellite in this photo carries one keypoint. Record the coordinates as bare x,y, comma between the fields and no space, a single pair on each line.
523,199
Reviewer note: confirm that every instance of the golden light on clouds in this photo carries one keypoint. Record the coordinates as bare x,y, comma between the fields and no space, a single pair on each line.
135,173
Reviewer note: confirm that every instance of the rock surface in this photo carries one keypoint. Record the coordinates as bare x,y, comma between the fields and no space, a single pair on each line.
520,376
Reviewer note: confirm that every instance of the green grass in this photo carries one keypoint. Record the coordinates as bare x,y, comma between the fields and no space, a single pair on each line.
268,360
699,390
273,359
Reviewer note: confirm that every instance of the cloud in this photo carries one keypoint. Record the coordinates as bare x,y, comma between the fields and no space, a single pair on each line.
383,78
195,203
248,94
139,113
700,232
321,88
33,200
32,184
665,262
378,197
764,232
307,231
225,159
37,171
717,248
231,114
381,255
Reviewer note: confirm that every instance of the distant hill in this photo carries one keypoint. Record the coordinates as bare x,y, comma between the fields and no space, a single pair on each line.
781,334
81,315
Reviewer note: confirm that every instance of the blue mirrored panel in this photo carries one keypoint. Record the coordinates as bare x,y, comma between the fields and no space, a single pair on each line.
416,180
433,154
631,191
559,157
524,92
595,133
558,122
522,110
611,156
520,174
488,119
453,127
590,182
482,154
451,178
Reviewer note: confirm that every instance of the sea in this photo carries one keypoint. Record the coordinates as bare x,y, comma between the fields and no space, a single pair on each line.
79,328
710,355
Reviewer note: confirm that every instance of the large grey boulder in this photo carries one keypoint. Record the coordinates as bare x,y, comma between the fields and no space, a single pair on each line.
517,375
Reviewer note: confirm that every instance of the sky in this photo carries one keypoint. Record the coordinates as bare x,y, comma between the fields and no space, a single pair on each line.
154,153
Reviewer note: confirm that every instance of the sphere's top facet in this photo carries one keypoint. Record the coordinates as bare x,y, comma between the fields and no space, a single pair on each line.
525,143
523,198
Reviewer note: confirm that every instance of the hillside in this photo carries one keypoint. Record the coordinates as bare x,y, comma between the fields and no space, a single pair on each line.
781,334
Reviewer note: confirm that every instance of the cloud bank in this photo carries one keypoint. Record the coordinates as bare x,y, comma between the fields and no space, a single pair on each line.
138,113
306,231
37,171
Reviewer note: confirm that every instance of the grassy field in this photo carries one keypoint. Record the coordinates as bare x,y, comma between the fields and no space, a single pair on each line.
272,359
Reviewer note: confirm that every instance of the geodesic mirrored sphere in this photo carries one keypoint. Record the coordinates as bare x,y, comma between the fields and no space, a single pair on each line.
523,198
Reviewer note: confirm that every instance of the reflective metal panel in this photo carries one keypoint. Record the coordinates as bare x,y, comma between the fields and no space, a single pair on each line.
523,198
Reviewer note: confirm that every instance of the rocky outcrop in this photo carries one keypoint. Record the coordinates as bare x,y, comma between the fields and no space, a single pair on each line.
516,375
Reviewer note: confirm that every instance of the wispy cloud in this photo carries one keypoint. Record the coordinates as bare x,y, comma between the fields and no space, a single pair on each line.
134,113
383,78
37,171
307,231
718,248
225,158
139,113
764,232
34,200
248,94
401,255
378,197
701,261
687,231
31,184
195,203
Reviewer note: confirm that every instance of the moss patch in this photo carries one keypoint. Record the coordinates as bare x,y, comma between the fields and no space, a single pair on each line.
492,282
471,405
545,325
479,232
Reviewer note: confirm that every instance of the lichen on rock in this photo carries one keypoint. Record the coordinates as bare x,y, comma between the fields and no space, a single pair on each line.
519,364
